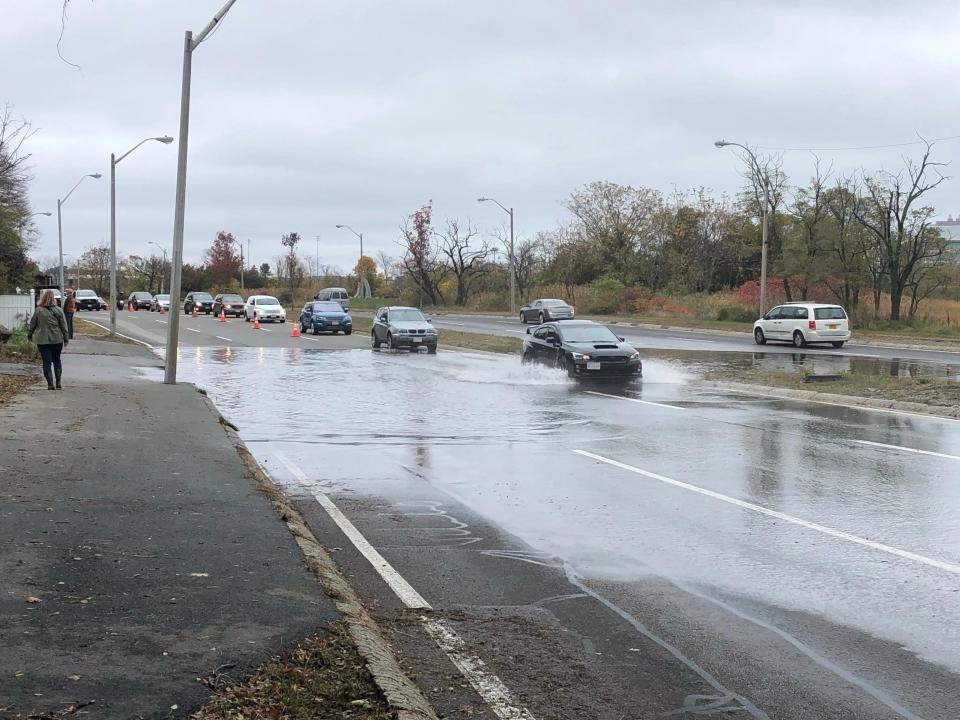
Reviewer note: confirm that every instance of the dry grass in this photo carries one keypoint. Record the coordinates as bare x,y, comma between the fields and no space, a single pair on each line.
928,391
13,385
84,328
324,678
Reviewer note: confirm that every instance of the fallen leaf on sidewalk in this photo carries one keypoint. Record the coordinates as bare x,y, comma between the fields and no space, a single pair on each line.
199,574
73,677
33,599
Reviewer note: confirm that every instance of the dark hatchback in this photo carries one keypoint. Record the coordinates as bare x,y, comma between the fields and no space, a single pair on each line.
140,300
325,316
583,348
230,303
203,302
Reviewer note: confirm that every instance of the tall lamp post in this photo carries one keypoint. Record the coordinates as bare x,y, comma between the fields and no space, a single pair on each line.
23,222
361,274
513,285
173,327
164,268
60,202
166,140
762,174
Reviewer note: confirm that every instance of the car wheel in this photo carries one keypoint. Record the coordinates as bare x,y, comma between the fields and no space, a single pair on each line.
838,344
523,318
245,318
348,331
374,340
798,339
567,364
316,331
526,358
542,320
431,349
759,338
390,342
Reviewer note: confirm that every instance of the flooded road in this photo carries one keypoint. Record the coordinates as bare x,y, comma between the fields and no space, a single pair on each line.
804,558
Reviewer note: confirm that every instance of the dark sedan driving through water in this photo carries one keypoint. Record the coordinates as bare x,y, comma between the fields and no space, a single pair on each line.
583,348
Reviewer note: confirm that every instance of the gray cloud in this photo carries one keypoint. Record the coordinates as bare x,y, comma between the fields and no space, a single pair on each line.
308,114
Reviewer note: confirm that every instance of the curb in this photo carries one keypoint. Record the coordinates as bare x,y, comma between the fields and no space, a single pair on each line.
402,695
862,403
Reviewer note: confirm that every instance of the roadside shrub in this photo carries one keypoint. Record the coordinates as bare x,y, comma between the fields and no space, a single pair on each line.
606,296
737,314
18,348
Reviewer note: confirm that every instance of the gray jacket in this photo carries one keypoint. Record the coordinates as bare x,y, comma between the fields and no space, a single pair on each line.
48,326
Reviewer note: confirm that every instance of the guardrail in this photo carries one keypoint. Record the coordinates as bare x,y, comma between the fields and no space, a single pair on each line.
15,310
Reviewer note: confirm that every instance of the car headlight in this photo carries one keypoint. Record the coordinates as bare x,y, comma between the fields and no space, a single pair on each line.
635,355
580,356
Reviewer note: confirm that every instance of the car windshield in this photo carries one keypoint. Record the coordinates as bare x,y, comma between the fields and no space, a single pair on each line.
231,298
268,301
588,334
163,297
407,314
86,293
829,313
143,296
327,307
554,303
202,297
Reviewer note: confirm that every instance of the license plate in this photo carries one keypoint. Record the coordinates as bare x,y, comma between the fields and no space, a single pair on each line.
833,326
335,323
418,339
593,366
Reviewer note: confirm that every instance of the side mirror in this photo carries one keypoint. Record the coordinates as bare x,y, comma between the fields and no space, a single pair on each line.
766,317
621,339
528,330
430,321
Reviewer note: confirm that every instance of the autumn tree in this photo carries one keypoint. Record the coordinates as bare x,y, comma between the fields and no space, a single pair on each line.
289,265
420,261
222,260
96,266
366,267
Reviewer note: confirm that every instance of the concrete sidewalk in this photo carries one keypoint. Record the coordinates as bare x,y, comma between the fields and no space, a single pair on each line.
138,557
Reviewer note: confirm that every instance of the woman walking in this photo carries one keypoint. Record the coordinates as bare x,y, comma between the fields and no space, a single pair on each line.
48,328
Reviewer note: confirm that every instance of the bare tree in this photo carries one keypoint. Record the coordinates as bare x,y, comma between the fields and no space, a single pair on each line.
387,264
467,261
889,208
96,264
847,247
809,211
768,169
420,254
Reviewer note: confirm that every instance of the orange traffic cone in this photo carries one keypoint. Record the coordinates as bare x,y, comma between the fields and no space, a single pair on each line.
129,307
223,318
296,331
256,322
194,313
161,309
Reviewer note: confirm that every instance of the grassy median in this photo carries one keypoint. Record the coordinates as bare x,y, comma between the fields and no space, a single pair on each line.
456,339
84,328
928,391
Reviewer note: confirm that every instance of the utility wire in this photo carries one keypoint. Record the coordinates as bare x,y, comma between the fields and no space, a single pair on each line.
861,147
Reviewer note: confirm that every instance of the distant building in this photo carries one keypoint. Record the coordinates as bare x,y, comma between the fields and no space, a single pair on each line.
951,231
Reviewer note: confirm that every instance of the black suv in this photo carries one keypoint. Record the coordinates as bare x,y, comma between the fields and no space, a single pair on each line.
230,303
583,348
203,302
140,300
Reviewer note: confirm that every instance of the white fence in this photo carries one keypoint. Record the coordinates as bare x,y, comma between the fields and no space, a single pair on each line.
15,310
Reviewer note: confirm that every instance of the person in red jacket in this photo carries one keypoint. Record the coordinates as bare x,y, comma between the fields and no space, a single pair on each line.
69,308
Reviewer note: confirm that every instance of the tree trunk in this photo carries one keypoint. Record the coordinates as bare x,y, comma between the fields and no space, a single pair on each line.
787,290
896,298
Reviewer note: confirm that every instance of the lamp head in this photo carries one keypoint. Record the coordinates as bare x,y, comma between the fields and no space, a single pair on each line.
721,143
47,214
166,139
483,199
340,227
95,176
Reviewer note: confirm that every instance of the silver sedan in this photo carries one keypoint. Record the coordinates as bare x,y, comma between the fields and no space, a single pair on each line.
541,311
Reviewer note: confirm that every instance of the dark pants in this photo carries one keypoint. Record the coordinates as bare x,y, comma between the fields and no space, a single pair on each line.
51,356
69,317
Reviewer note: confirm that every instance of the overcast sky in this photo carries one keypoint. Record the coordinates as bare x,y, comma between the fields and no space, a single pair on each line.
306,114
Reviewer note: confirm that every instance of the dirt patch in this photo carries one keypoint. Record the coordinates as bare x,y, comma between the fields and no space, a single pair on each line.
460,340
926,391
13,385
324,677
84,328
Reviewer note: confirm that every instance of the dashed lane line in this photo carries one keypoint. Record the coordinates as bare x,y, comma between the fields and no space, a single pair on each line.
900,448
488,685
635,400
889,549
221,337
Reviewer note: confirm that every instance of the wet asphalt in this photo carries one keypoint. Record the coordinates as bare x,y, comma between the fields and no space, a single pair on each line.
655,549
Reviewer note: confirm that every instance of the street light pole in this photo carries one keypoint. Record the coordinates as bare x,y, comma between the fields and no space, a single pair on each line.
513,268
166,140
764,176
23,222
60,202
361,275
173,326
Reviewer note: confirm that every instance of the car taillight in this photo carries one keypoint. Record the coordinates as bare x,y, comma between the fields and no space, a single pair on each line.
811,324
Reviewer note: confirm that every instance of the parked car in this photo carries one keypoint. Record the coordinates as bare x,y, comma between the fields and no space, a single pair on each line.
803,323
140,300
202,301
87,300
541,311
160,301
339,295
266,307
403,327
583,348
230,303
325,316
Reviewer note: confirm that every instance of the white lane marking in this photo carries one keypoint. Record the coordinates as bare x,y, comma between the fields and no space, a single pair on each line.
310,338
906,449
161,321
126,337
642,402
192,330
889,549
221,337
488,685
266,329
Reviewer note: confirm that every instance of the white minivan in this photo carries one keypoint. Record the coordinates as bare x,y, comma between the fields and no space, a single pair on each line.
803,323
